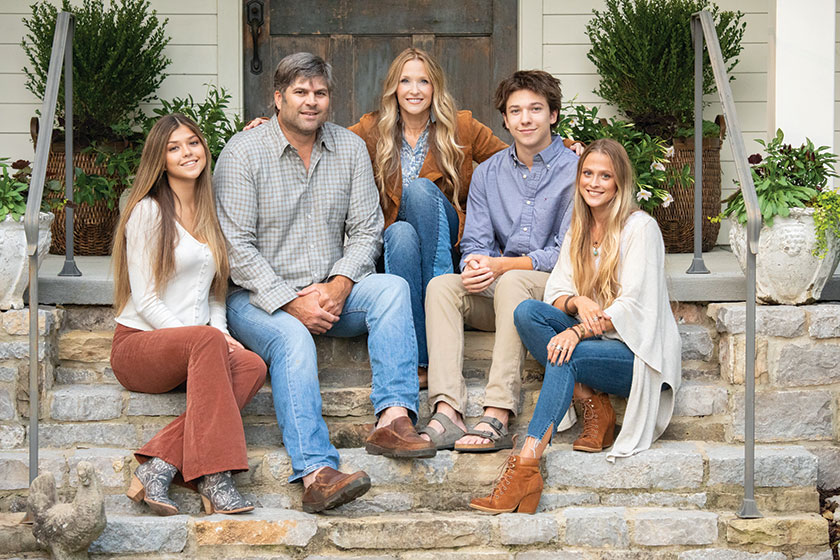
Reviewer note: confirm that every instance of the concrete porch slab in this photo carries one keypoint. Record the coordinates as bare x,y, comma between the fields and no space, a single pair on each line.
725,282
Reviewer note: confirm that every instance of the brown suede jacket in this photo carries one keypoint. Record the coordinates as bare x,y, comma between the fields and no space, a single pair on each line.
478,141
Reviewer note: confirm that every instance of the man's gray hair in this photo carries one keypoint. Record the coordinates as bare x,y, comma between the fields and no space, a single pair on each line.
302,64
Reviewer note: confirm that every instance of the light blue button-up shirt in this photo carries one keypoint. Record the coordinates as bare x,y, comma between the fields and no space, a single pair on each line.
513,211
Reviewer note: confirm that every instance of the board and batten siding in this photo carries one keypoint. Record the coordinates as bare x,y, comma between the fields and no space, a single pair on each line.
553,37
205,48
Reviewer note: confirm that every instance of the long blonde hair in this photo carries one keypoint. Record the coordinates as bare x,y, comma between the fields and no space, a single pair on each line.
151,181
602,284
443,141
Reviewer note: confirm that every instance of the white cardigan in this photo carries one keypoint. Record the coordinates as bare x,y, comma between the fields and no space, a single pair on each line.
186,300
643,320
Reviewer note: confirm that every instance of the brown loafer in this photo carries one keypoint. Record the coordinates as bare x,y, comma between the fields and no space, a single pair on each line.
331,488
399,440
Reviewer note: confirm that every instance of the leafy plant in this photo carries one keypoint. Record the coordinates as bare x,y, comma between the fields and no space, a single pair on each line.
118,61
14,188
645,56
826,220
785,178
647,153
212,116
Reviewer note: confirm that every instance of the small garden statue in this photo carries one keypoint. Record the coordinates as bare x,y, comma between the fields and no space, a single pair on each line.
67,529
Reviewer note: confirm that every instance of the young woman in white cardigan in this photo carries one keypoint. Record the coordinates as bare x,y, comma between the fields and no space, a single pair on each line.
606,327
170,278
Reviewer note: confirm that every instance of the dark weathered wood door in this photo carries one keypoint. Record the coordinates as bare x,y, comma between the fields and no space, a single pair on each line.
474,40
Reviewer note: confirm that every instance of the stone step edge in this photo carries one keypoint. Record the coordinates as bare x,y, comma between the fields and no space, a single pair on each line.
667,466
82,402
613,527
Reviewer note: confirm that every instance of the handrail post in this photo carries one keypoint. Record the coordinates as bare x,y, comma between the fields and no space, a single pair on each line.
69,268
31,220
749,508
697,264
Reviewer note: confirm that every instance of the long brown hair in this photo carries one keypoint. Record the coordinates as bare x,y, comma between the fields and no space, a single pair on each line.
443,141
151,181
602,284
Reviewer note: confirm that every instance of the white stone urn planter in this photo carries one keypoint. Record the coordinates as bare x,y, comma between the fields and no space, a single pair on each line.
14,265
787,272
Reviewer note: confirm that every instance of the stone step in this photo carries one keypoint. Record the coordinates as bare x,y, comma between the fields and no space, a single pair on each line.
685,475
85,354
579,533
110,415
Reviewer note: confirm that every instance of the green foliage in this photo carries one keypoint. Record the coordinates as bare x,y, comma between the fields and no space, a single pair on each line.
118,61
14,188
211,115
12,192
710,130
645,56
785,178
826,220
120,162
647,153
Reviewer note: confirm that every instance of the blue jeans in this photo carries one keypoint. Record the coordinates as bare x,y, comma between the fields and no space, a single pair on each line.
378,305
418,247
605,365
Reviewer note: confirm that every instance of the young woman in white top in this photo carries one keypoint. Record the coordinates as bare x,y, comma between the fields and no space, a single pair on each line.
170,277
606,325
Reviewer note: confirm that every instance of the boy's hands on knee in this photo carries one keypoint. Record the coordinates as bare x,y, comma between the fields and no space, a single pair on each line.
477,275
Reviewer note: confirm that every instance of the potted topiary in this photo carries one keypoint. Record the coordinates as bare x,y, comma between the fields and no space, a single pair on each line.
118,63
644,54
14,186
799,243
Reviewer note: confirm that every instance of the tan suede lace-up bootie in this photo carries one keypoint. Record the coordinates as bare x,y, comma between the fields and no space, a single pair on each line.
598,423
518,488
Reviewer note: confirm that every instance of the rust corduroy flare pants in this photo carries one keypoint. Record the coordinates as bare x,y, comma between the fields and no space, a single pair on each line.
208,438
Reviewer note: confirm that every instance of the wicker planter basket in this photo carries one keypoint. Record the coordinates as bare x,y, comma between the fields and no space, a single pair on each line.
677,221
93,226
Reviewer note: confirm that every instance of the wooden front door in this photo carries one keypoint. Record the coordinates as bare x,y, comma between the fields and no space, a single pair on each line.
474,41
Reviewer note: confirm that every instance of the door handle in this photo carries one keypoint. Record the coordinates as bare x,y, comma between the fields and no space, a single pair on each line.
255,21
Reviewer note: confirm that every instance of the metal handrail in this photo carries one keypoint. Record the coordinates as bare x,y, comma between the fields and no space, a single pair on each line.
62,48
702,25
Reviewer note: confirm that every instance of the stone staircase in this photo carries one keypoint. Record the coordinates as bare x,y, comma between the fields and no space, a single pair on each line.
675,501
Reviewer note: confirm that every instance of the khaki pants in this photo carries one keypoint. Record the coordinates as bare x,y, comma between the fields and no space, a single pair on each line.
448,307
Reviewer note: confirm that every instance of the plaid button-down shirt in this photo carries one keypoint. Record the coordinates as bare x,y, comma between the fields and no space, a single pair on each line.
286,226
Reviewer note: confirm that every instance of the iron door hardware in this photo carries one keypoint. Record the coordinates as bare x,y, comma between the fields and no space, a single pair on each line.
255,21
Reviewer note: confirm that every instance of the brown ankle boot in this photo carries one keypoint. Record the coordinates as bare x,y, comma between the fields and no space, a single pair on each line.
517,489
598,423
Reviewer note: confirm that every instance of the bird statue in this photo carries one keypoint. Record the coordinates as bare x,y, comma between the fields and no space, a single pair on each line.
67,529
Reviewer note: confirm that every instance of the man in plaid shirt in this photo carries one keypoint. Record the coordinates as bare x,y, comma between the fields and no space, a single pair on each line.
298,203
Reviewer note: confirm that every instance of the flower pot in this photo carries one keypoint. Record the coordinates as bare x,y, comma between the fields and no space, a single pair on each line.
93,226
676,222
787,272
14,267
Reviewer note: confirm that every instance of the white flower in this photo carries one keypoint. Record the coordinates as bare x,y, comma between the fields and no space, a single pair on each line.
669,153
643,195
657,165
666,202
573,121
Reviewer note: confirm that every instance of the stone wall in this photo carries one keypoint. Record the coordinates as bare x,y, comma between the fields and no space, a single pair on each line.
14,369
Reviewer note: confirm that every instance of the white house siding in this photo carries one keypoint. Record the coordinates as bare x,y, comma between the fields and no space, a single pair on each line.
553,36
205,47
837,81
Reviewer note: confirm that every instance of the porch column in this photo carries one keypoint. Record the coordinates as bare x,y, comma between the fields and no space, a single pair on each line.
800,77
